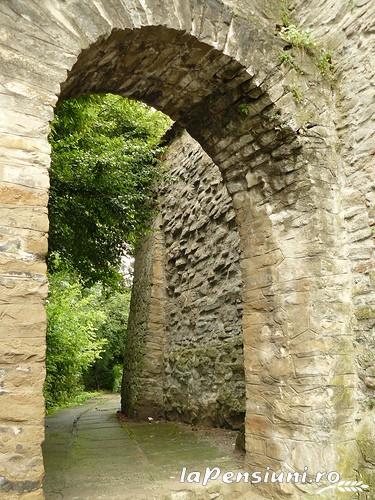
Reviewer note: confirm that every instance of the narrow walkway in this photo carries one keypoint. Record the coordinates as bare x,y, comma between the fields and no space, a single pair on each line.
89,455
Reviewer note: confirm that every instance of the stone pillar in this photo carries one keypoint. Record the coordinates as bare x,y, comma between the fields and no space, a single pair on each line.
23,288
286,180
142,388
297,336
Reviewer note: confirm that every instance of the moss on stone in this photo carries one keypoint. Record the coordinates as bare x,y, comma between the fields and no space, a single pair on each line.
365,313
365,439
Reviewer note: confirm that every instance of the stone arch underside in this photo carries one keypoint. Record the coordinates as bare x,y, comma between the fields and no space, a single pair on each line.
217,75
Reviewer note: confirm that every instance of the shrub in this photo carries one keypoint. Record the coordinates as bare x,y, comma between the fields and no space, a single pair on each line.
73,344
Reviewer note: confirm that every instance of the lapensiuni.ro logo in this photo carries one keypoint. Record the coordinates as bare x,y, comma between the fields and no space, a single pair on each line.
268,476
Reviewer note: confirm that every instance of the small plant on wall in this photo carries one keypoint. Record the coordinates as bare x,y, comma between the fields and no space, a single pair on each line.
298,38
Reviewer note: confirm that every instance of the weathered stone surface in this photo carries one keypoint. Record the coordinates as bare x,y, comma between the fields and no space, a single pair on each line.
142,387
195,364
295,152
204,354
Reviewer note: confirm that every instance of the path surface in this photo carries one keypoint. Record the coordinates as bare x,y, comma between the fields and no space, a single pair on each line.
89,455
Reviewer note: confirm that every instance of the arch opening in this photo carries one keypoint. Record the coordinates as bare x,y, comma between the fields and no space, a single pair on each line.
216,101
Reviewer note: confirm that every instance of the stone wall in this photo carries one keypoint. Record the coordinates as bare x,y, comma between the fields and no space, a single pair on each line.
295,152
203,374
346,28
142,388
204,363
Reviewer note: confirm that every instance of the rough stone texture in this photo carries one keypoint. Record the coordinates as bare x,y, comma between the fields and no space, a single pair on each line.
142,389
201,374
347,28
297,165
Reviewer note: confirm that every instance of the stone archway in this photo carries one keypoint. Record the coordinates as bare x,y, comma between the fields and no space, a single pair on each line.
219,76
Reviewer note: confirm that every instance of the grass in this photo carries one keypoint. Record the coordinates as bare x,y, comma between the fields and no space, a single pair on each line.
79,399
285,19
288,59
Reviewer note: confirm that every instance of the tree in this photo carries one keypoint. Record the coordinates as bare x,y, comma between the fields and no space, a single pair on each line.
75,316
103,173
105,372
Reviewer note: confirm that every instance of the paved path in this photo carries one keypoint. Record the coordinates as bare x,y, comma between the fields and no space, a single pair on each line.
89,455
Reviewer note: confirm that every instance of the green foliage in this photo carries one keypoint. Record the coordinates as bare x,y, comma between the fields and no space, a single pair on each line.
106,372
296,92
79,399
285,17
302,39
286,58
103,173
244,109
73,343
117,372
324,63
104,169
85,337
297,37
